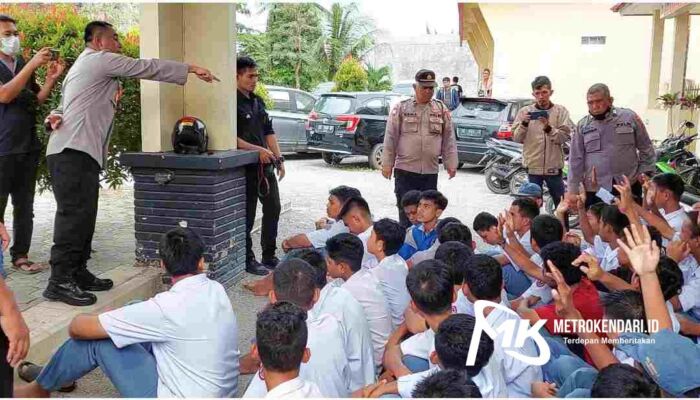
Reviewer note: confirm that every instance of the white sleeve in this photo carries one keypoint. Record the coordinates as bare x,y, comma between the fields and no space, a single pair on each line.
417,345
690,295
407,383
138,323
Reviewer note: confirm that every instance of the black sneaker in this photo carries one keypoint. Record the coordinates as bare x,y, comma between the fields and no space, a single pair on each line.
255,268
69,293
89,282
271,262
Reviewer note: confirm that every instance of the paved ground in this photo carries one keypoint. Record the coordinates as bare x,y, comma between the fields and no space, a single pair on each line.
306,186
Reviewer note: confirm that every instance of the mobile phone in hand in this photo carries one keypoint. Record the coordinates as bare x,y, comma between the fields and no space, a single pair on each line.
55,54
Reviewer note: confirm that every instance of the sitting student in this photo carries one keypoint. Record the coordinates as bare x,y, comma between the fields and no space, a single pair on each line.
421,237
620,381
326,228
358,218
180,343
483,280
662,202
344,260
409,203
456,232
530,191
384,243
612,225
486,226
295,282
429,254
447,384
280,344
339,303
432,294
590,227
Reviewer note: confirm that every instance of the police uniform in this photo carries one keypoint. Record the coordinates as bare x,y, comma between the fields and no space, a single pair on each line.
254,125
417,135
617,144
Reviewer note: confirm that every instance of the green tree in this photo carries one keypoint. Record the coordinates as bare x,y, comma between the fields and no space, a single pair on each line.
378,79
351,76
348,33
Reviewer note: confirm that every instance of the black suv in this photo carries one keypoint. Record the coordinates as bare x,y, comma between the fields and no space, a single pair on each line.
477,119
344,124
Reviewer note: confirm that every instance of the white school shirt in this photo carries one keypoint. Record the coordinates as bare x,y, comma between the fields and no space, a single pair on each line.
423,255
525,242
464,306
391,274
365,288
193,333
597,248
328,366
609,261
368,260
339,303
518,375
420,345
319,237
675,220
538,288
297,388
690,293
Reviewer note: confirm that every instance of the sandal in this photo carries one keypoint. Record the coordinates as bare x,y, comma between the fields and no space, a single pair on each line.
28,372
24,266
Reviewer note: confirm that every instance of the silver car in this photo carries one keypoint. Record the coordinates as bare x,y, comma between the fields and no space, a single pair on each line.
289,115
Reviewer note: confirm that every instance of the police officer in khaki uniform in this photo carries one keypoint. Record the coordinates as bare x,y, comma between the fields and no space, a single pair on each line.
614,141
418,132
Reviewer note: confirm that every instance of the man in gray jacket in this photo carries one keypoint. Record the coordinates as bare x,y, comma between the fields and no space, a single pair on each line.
77,151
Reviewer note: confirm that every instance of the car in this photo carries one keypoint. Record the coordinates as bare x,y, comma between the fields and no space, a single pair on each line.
404,87
477,119
323,88
344,124
289,112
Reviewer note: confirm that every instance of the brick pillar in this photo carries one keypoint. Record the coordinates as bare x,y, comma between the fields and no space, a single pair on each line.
203,192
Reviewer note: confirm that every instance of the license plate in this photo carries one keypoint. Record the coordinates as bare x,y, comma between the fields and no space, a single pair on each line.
325,128
469,132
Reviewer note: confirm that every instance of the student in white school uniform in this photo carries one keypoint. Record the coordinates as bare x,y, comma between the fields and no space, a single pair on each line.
280,343
344,260
358,218
384,243
328,368
612,225
338,302
180,343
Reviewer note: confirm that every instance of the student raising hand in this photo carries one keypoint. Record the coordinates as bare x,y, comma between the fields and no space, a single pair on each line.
590,266
563,296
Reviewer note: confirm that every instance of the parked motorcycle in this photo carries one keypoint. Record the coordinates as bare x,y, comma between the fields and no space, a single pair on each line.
503,160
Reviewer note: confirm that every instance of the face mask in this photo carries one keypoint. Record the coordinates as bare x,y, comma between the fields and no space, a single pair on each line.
10,45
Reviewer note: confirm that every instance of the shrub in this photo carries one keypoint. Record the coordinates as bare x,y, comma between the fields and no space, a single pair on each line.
351,76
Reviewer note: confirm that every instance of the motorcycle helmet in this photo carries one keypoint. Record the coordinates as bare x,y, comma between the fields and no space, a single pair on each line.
190,136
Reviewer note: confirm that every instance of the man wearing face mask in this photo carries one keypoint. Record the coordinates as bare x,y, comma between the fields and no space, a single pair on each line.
613,140
77,151
20,95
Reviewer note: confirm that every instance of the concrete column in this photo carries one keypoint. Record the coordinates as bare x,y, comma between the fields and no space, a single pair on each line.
657,44
194,33
680,52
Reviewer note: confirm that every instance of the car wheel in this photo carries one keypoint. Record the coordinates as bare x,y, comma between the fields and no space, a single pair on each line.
517,180
496,184
375,156
331,158
460,165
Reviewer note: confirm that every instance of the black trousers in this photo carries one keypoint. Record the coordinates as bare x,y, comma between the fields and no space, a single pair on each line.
6,372
269,196
75,182
18,181
405,181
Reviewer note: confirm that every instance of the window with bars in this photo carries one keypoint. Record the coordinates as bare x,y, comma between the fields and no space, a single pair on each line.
595,40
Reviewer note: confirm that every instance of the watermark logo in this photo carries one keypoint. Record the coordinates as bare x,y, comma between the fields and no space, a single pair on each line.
514,333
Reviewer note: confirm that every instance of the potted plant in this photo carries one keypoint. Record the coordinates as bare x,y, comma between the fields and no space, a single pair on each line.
668,101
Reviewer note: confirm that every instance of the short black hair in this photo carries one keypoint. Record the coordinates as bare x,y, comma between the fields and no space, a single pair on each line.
181,249
316,260
670,277
7,18
455,79
436,197
447,384
410,198
562,255
455,255
625,305
344,193
671,182
391,233
484,276
353,203
618,221
623,381
455,232
443,222
452,341
294,280
597,209
346,248
447,78
95,28
281,335
541,81
527,206
546,229
430,285
243,63
484,221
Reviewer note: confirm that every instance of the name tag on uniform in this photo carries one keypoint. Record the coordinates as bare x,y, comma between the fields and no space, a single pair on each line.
588,129
623,123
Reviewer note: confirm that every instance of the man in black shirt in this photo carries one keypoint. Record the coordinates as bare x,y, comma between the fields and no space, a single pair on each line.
255,133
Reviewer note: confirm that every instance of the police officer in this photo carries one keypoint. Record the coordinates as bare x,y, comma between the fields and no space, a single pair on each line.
255,133
418,132
614,141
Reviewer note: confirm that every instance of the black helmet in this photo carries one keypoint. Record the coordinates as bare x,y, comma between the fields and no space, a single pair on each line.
190,136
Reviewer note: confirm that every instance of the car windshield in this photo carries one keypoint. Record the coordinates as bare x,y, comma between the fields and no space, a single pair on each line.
334,105
405,89
479,109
